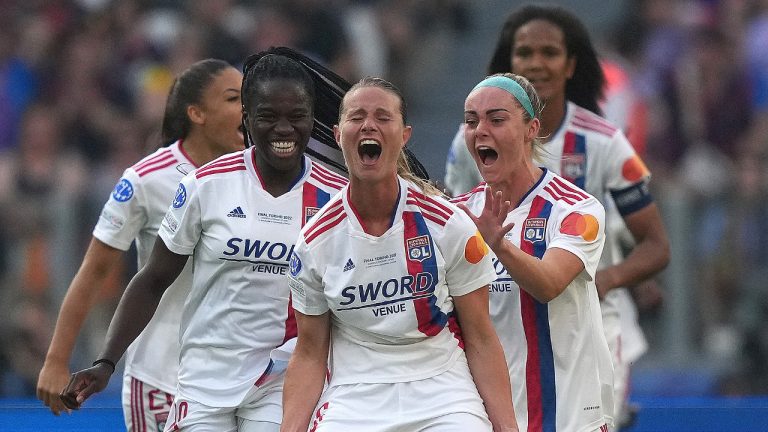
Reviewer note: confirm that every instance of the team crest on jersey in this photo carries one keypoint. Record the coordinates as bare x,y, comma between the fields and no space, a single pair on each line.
533,229
123,191
419,248
573,166
309,212
294,265
181,196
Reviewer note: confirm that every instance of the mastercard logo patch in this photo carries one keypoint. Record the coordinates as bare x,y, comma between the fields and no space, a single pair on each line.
475,249
584,225
634,169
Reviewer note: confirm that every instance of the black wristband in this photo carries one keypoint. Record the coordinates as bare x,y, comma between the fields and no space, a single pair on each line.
107,361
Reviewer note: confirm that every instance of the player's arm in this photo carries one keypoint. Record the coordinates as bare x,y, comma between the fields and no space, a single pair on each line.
485,357
306,372
649,256
133,313
99,259
544,278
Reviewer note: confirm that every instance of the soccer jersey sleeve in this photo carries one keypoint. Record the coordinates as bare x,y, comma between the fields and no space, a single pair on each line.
580,229
467,258
124,214
627,176
307,293
182,224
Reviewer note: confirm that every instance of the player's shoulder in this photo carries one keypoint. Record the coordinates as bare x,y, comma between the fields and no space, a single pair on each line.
593,126
325,178
222,166
325,222
435,209
563,194
470,196
159,162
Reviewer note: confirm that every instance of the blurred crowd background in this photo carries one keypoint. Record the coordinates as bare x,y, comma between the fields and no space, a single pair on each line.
83,86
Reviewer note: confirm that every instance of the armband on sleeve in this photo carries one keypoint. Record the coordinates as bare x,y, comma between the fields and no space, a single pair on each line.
632,199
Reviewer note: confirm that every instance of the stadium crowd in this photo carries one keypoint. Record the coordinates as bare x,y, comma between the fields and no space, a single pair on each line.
83,84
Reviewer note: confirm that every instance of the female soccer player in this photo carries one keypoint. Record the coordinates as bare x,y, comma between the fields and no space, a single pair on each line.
238,217
202,121
550,47
546,236
391,280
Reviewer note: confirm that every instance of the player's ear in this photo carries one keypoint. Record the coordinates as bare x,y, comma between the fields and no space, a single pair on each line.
195,114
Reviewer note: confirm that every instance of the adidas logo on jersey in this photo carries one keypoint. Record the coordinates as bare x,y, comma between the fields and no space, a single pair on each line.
349,265
237,212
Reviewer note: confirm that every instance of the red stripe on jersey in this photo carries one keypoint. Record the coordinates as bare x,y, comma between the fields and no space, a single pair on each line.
226,158
149,160
141,407
207,172
455,329
467,195
434,214
570,188
329,175
436,205
591,118
593,123
154,168
557,196
222,161
532,364
331,218
134,415
434,217
331,182
604,131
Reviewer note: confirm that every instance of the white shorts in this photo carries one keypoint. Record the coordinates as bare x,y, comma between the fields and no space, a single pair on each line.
261,410
145,408
448,402
613,335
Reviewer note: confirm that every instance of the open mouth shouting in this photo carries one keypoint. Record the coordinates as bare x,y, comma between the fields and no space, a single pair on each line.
487,155
369,151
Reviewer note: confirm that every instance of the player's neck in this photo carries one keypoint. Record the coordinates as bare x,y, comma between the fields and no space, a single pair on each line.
518,184
374,204
197,151
552,116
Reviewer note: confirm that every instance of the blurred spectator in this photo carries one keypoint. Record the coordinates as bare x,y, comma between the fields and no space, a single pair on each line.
732,260
18,83
40,178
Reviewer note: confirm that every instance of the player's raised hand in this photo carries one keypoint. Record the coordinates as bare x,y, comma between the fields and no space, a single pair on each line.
490,222
85,383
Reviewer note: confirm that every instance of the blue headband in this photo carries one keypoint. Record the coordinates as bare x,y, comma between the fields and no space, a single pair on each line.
512,87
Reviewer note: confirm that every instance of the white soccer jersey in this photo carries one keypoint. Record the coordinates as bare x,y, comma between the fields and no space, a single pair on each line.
389,297
240,237
134,211
593,154
557,355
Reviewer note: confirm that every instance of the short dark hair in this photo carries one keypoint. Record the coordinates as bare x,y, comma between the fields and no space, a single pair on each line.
585,87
